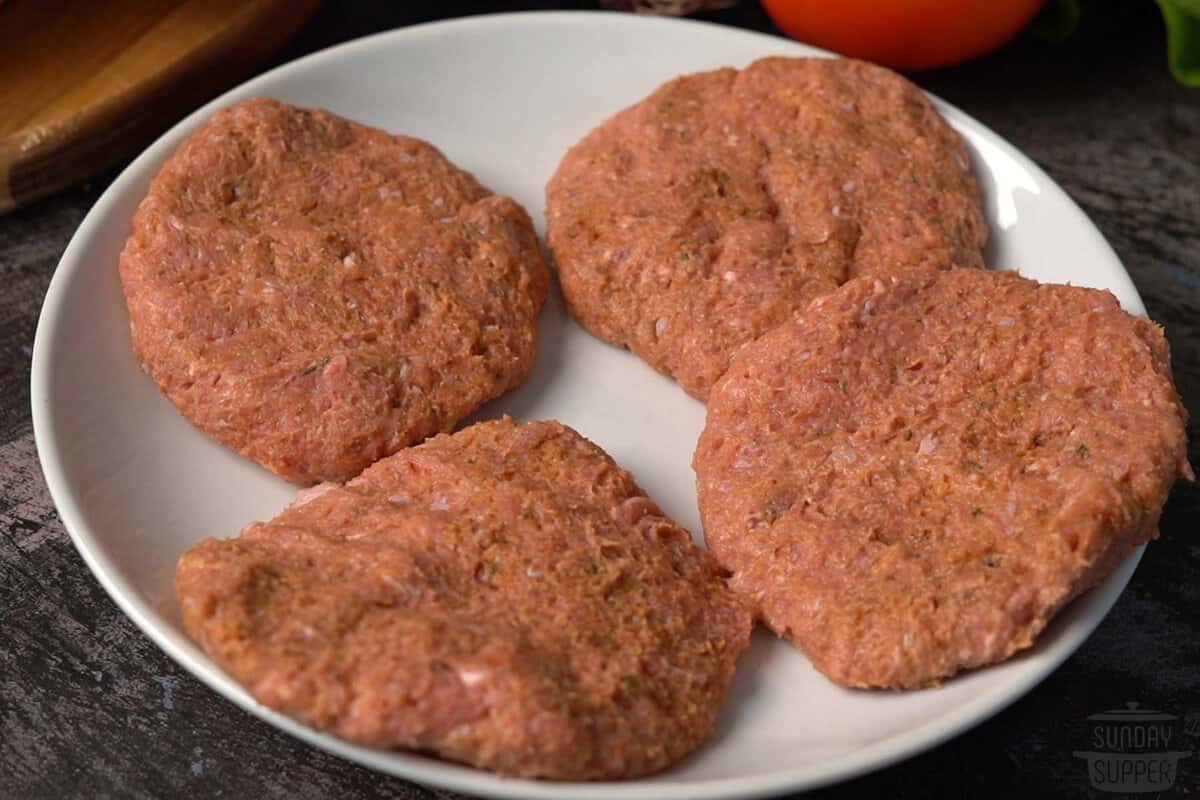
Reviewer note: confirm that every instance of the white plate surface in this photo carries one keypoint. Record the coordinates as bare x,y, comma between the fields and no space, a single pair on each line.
504,96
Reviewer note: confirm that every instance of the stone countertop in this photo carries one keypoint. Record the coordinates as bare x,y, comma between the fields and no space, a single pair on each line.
89,707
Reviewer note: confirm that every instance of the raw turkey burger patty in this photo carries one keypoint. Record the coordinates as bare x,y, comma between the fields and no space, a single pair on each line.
506,596
703,216
316,294
913,477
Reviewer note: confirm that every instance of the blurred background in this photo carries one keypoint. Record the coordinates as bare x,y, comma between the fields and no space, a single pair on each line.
84,84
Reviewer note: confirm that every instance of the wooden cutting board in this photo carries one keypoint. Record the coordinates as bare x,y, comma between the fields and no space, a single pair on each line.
84,83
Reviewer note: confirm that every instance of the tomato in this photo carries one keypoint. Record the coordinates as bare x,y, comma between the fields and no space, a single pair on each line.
905,34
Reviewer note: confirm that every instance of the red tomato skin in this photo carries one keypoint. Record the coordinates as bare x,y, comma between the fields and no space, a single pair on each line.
904,34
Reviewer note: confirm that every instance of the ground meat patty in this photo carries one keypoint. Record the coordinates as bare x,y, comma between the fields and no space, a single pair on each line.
506,596
707,214
317,294
912,478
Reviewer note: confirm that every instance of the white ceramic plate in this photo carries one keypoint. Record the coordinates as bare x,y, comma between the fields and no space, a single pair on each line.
504,97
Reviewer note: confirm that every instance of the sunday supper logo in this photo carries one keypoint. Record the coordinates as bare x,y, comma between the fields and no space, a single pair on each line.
1131,750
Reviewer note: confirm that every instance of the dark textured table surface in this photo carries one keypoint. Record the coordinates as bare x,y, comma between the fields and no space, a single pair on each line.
90,708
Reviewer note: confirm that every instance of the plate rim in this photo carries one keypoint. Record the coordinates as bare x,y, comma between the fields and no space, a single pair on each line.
428,770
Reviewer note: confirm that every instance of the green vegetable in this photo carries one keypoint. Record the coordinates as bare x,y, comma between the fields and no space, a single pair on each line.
1182,18
1057,20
